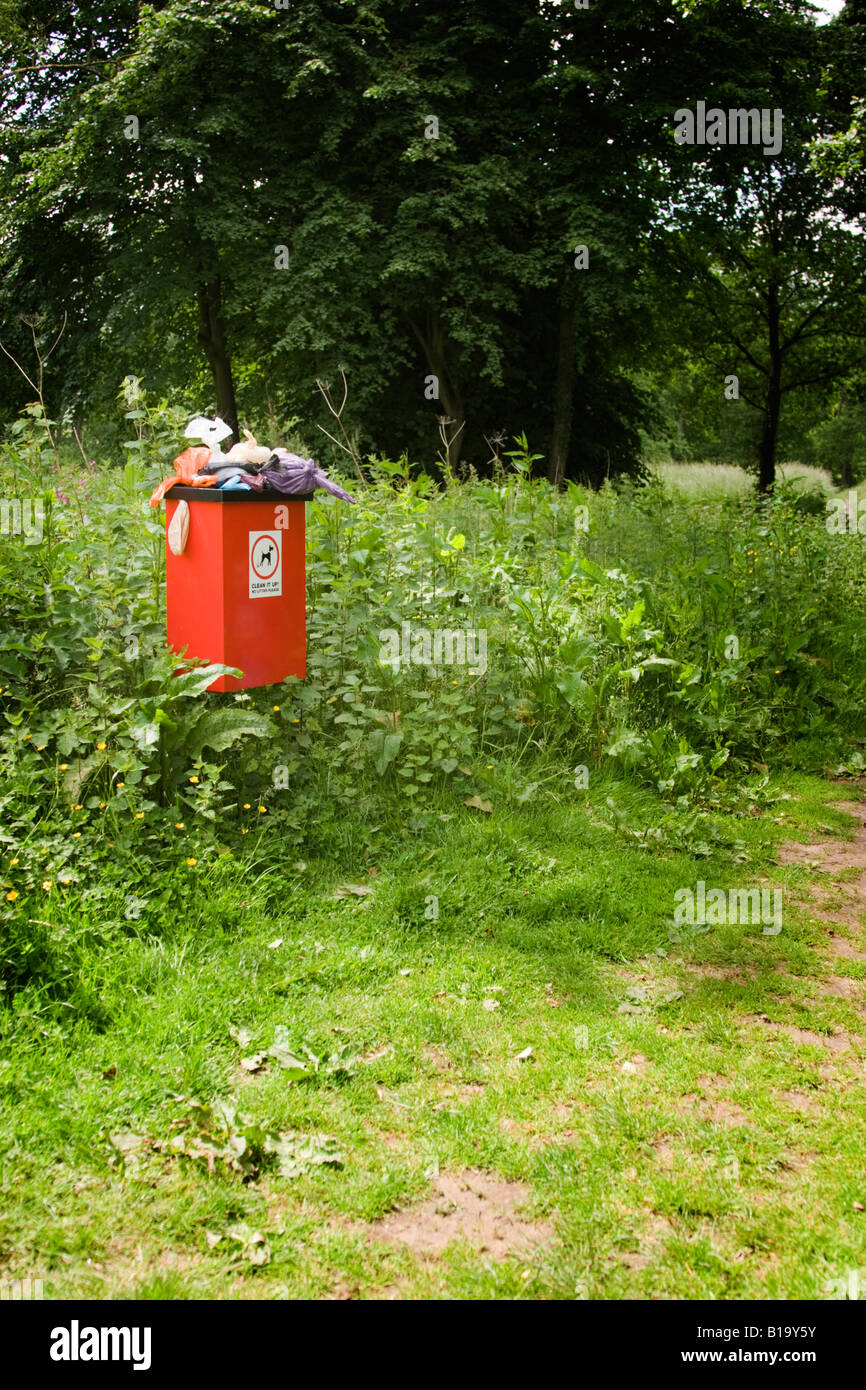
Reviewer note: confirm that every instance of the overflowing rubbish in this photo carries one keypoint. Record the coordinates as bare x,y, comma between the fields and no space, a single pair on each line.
247,467
289,473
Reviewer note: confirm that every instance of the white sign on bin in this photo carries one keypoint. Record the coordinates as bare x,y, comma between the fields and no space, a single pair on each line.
266,564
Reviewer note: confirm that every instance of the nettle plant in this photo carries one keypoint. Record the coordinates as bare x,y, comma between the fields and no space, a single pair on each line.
157,426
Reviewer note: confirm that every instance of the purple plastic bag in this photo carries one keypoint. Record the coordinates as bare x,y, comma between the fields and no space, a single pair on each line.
289,473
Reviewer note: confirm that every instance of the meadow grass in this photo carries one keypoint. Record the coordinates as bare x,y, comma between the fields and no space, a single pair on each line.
705,481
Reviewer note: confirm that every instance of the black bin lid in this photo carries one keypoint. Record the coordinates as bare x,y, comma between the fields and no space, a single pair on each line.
220,495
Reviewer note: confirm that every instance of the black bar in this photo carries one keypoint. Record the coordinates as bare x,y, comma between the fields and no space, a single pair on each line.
199,1339
218,494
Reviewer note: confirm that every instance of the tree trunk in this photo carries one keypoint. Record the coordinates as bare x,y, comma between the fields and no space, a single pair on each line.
212,336
434,342
769,435
772,400
563,397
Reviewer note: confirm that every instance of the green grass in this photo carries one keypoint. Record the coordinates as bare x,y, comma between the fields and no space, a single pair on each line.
688,1174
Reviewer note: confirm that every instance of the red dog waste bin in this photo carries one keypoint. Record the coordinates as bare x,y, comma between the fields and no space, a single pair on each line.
237,593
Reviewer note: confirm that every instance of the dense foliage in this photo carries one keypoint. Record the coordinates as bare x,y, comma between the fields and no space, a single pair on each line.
481,212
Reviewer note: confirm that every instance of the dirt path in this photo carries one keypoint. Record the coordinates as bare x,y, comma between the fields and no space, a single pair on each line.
840,902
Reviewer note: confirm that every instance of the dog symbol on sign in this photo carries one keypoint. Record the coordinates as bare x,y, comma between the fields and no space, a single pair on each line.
266,564
266,568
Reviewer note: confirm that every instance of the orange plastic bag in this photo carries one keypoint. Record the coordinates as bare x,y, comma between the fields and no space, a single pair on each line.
186,465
